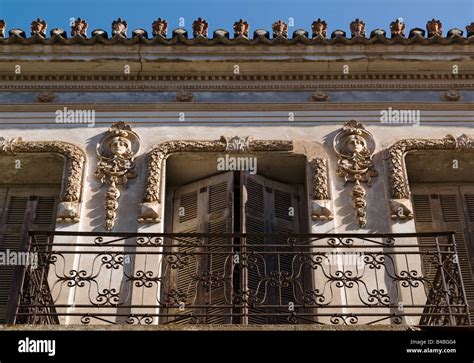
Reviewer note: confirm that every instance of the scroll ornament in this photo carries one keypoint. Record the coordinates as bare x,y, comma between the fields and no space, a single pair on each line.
116,152
354,146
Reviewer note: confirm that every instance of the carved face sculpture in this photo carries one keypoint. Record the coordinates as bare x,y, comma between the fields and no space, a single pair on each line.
355,144
120,146
280,28
200,27
160,27
358,28
319,28
241,28
434,27
397,27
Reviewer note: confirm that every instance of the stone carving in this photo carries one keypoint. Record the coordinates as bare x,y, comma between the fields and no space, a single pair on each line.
397,27
236,144
401,209
241,29
399,189
358,28
46,97
3,26
452,95
354,146
200,27
280,29
79,28
320,28
470,29
150,209
464,143
320,202
69,206
38,27
434,28
319,96
396,154
184,96
116,152
160,27
119,27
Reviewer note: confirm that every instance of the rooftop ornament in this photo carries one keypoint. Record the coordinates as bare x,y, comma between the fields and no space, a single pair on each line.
358,28
470,29
241,29
38,27
79,28
434,28
160,27
119,27
3,26
200,27
397,28
280,29
320,28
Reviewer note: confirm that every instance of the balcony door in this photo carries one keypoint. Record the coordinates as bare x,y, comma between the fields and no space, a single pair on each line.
234,202
446,207
21,209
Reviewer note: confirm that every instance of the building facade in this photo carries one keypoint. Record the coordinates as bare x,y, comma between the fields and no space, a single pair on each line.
275,179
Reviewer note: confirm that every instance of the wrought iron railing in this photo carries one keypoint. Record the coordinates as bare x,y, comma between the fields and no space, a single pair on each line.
130,278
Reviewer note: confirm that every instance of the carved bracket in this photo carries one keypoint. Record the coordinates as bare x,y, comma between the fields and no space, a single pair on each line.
395,156
116,152
69,204
150,209
320,202
354,146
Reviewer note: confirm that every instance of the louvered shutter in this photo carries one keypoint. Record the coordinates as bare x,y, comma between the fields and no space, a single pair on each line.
446,209
202,207
272,207
256,220
22,210
467,265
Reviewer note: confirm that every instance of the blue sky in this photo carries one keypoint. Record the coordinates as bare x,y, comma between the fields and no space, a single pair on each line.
223,13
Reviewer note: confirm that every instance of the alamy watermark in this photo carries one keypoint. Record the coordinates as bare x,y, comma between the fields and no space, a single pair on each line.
68,116
16,258
236,163
393,116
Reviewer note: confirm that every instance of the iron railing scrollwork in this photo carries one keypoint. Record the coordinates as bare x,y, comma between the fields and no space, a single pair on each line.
334,279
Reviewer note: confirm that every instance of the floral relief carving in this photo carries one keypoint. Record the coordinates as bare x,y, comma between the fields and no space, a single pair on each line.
69,206
452,95
354,146
150,209
320,28
116,152
395,155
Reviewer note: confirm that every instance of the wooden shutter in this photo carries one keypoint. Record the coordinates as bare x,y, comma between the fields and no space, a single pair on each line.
208,207
446,208
21,210
271,207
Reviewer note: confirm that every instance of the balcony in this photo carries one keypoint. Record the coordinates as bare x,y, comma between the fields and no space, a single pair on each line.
324,279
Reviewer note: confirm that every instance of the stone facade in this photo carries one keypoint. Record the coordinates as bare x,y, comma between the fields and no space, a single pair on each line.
237,95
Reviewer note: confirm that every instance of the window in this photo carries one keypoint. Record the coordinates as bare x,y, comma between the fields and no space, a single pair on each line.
447,207
234,202
21,210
